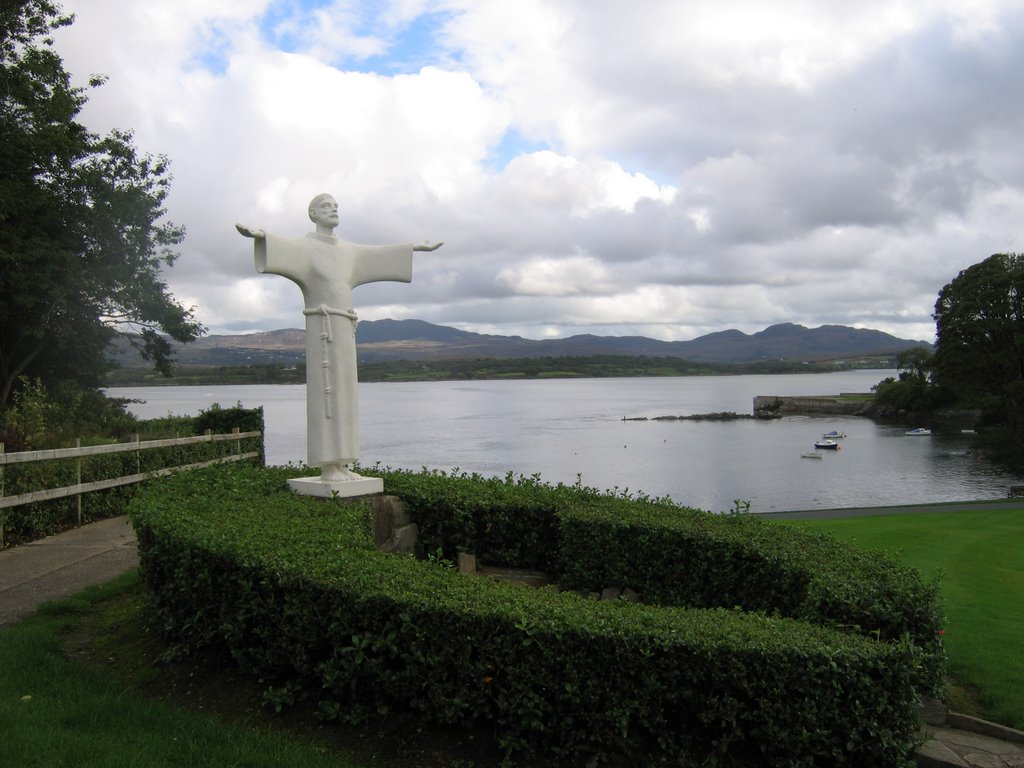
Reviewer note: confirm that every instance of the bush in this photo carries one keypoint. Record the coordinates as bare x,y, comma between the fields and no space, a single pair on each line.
294,591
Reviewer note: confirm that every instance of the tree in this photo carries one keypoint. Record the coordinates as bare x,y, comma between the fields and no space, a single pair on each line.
915,363
979,354
82,244
979,320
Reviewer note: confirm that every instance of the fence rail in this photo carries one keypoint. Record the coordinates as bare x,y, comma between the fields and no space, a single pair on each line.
79,452
135,445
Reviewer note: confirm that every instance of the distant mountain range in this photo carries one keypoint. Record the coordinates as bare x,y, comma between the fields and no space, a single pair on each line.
385,340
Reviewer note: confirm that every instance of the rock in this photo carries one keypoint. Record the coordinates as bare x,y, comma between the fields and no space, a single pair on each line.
402,540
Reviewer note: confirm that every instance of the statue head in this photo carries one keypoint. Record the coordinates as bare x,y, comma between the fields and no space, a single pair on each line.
323,211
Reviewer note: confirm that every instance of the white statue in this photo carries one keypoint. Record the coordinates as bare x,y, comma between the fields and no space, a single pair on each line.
327,269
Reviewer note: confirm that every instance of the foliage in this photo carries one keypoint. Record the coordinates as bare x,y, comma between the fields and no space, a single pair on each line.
754,645
576,366
39,418
27,421
188,375
980,326
219,420
81,243
914,391
980,350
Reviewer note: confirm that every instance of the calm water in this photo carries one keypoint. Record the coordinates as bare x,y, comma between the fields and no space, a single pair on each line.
564,429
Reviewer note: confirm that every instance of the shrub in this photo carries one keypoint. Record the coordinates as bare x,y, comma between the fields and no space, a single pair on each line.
294,591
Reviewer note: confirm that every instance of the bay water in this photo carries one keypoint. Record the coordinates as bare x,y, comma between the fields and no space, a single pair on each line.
572,430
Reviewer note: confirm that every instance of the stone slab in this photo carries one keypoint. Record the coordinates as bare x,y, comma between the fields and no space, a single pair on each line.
522,576
972,749
935,754
402,541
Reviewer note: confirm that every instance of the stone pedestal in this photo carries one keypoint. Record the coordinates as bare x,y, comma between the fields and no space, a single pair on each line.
316,486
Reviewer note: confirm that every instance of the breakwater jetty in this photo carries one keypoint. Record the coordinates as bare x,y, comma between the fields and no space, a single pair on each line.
720,416
777,406
844,404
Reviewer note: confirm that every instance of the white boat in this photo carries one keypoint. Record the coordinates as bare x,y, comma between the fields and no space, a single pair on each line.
918,431
828,445
835,434
811,455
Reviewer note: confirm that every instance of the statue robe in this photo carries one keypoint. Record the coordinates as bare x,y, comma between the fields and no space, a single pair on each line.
327,269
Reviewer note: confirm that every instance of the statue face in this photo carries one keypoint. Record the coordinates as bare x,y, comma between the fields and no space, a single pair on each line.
325,213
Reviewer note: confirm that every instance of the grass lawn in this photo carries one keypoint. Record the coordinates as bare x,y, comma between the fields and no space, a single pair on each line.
979,557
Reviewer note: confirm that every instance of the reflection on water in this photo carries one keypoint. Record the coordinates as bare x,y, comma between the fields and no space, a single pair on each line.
572,428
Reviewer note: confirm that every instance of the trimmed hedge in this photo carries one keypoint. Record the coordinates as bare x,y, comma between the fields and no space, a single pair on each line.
675,556
294,590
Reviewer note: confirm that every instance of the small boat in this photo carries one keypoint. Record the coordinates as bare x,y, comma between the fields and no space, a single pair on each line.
918,431
828,445
835,434
810,455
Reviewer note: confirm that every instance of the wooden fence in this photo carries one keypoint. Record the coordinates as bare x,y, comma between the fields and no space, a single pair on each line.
79,452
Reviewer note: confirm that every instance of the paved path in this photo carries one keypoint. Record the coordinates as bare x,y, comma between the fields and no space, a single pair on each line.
64,564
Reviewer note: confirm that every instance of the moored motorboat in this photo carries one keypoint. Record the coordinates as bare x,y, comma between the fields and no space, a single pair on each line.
828,445
835,434
810,455
918,431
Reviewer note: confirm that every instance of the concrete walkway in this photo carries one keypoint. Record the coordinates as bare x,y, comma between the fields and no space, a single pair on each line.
61,565
64,564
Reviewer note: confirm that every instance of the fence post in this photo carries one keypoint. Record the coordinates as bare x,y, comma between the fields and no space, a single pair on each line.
138,453
78,480
238,441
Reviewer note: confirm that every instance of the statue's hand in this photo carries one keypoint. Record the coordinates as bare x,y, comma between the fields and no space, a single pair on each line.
427,246
250,232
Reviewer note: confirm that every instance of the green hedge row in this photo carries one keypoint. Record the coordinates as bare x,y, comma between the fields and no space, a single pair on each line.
675,556
33,521
294,590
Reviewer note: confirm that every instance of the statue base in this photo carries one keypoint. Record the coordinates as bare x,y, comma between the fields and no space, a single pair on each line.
326,489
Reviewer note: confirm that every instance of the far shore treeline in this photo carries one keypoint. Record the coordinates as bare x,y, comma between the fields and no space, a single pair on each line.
596,366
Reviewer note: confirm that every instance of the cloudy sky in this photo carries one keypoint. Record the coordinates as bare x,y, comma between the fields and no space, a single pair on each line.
666,168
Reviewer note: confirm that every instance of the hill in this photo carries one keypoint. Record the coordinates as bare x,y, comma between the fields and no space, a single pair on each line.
390,340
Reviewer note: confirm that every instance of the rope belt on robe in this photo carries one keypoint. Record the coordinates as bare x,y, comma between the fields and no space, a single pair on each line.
326,339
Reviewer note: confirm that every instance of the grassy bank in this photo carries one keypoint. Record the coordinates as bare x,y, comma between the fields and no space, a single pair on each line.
979,556
75,709
87,683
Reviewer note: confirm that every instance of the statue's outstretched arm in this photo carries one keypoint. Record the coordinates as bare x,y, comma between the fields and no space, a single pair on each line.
426,246
259,234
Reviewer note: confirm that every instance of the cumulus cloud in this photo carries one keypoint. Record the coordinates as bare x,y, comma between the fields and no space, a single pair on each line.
657,168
